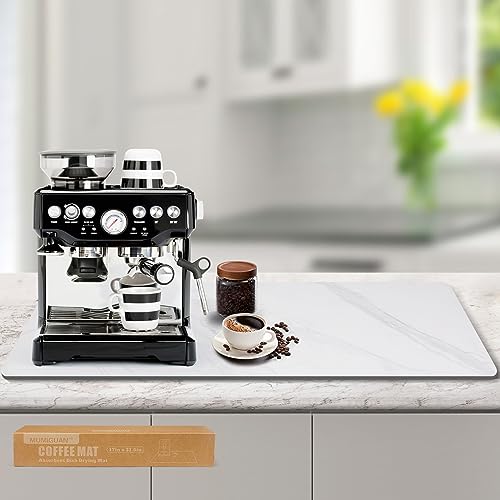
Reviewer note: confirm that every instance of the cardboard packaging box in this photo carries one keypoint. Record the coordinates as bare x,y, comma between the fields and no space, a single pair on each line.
108,446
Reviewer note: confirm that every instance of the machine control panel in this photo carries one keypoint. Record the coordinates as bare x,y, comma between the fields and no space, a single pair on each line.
108,215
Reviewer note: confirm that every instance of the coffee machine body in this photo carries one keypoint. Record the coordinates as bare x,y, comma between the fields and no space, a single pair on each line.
94,234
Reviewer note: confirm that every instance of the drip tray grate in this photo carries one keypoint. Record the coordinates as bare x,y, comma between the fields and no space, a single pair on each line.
62,314
76,314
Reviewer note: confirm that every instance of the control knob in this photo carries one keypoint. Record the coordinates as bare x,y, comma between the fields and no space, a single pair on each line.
173,212
88,211
54,211
71,211
156,212
139,212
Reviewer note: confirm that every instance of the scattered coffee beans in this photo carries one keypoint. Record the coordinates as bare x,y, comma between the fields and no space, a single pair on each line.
283,348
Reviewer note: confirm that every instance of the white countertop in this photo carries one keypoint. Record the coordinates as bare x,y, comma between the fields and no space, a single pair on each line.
479,294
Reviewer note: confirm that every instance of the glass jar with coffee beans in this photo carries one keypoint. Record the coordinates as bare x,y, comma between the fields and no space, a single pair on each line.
236,287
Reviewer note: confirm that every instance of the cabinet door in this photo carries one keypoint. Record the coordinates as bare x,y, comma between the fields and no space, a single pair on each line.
410,457
256,456
168,50
61,483
251,45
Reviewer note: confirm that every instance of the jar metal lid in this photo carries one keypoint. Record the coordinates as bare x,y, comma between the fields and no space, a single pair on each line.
237,270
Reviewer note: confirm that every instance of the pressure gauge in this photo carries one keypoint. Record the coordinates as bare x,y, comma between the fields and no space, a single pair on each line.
114,222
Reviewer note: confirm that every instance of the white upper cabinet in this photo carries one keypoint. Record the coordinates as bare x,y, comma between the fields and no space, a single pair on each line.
168,48
292,47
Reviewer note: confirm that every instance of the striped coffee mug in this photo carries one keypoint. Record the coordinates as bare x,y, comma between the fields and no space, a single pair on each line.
138,306
142,169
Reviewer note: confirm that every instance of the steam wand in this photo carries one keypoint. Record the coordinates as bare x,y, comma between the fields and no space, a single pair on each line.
198,268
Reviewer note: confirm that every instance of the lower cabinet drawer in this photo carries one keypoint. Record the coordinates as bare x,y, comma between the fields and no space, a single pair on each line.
406,456
256,456
60,483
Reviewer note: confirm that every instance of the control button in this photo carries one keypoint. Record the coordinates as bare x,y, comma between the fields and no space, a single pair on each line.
71,211
88,211
54,212
156,212
173,212
139,212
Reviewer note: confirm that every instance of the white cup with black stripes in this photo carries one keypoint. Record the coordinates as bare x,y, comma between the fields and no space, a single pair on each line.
143,169
138,306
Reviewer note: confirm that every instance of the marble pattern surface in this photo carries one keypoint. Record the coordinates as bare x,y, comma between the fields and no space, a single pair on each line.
362,330
479,294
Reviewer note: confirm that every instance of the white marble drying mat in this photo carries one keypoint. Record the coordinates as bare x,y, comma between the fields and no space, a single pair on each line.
353,330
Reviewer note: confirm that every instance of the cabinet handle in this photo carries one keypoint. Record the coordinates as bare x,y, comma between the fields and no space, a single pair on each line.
200,82
282,72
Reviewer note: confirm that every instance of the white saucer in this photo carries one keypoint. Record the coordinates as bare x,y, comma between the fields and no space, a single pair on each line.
219,340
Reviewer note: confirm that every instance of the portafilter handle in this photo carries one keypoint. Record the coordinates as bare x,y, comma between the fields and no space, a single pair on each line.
198,268
163,274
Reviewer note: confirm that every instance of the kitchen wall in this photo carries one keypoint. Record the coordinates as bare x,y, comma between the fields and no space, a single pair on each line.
153,73
8,110
332,150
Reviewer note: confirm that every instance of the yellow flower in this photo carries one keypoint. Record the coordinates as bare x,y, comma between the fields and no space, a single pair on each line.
390,103
422,94
417,91
458,92
436,102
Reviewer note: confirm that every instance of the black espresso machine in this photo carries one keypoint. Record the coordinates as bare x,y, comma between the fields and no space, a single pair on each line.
93,232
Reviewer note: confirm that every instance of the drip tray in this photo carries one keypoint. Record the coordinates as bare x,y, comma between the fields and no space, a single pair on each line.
105,328
169,315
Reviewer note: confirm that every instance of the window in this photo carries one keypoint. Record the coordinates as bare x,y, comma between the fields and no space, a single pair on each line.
488,46
481,58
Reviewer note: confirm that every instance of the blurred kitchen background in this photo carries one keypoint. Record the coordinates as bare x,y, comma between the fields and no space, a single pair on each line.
266,109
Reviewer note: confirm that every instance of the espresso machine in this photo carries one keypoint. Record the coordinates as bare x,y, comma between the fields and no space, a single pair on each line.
92,232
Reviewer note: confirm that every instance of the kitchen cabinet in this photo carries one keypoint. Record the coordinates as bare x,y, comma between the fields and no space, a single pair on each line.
169,82
168,58
385,457
259,455
291,47
59,483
